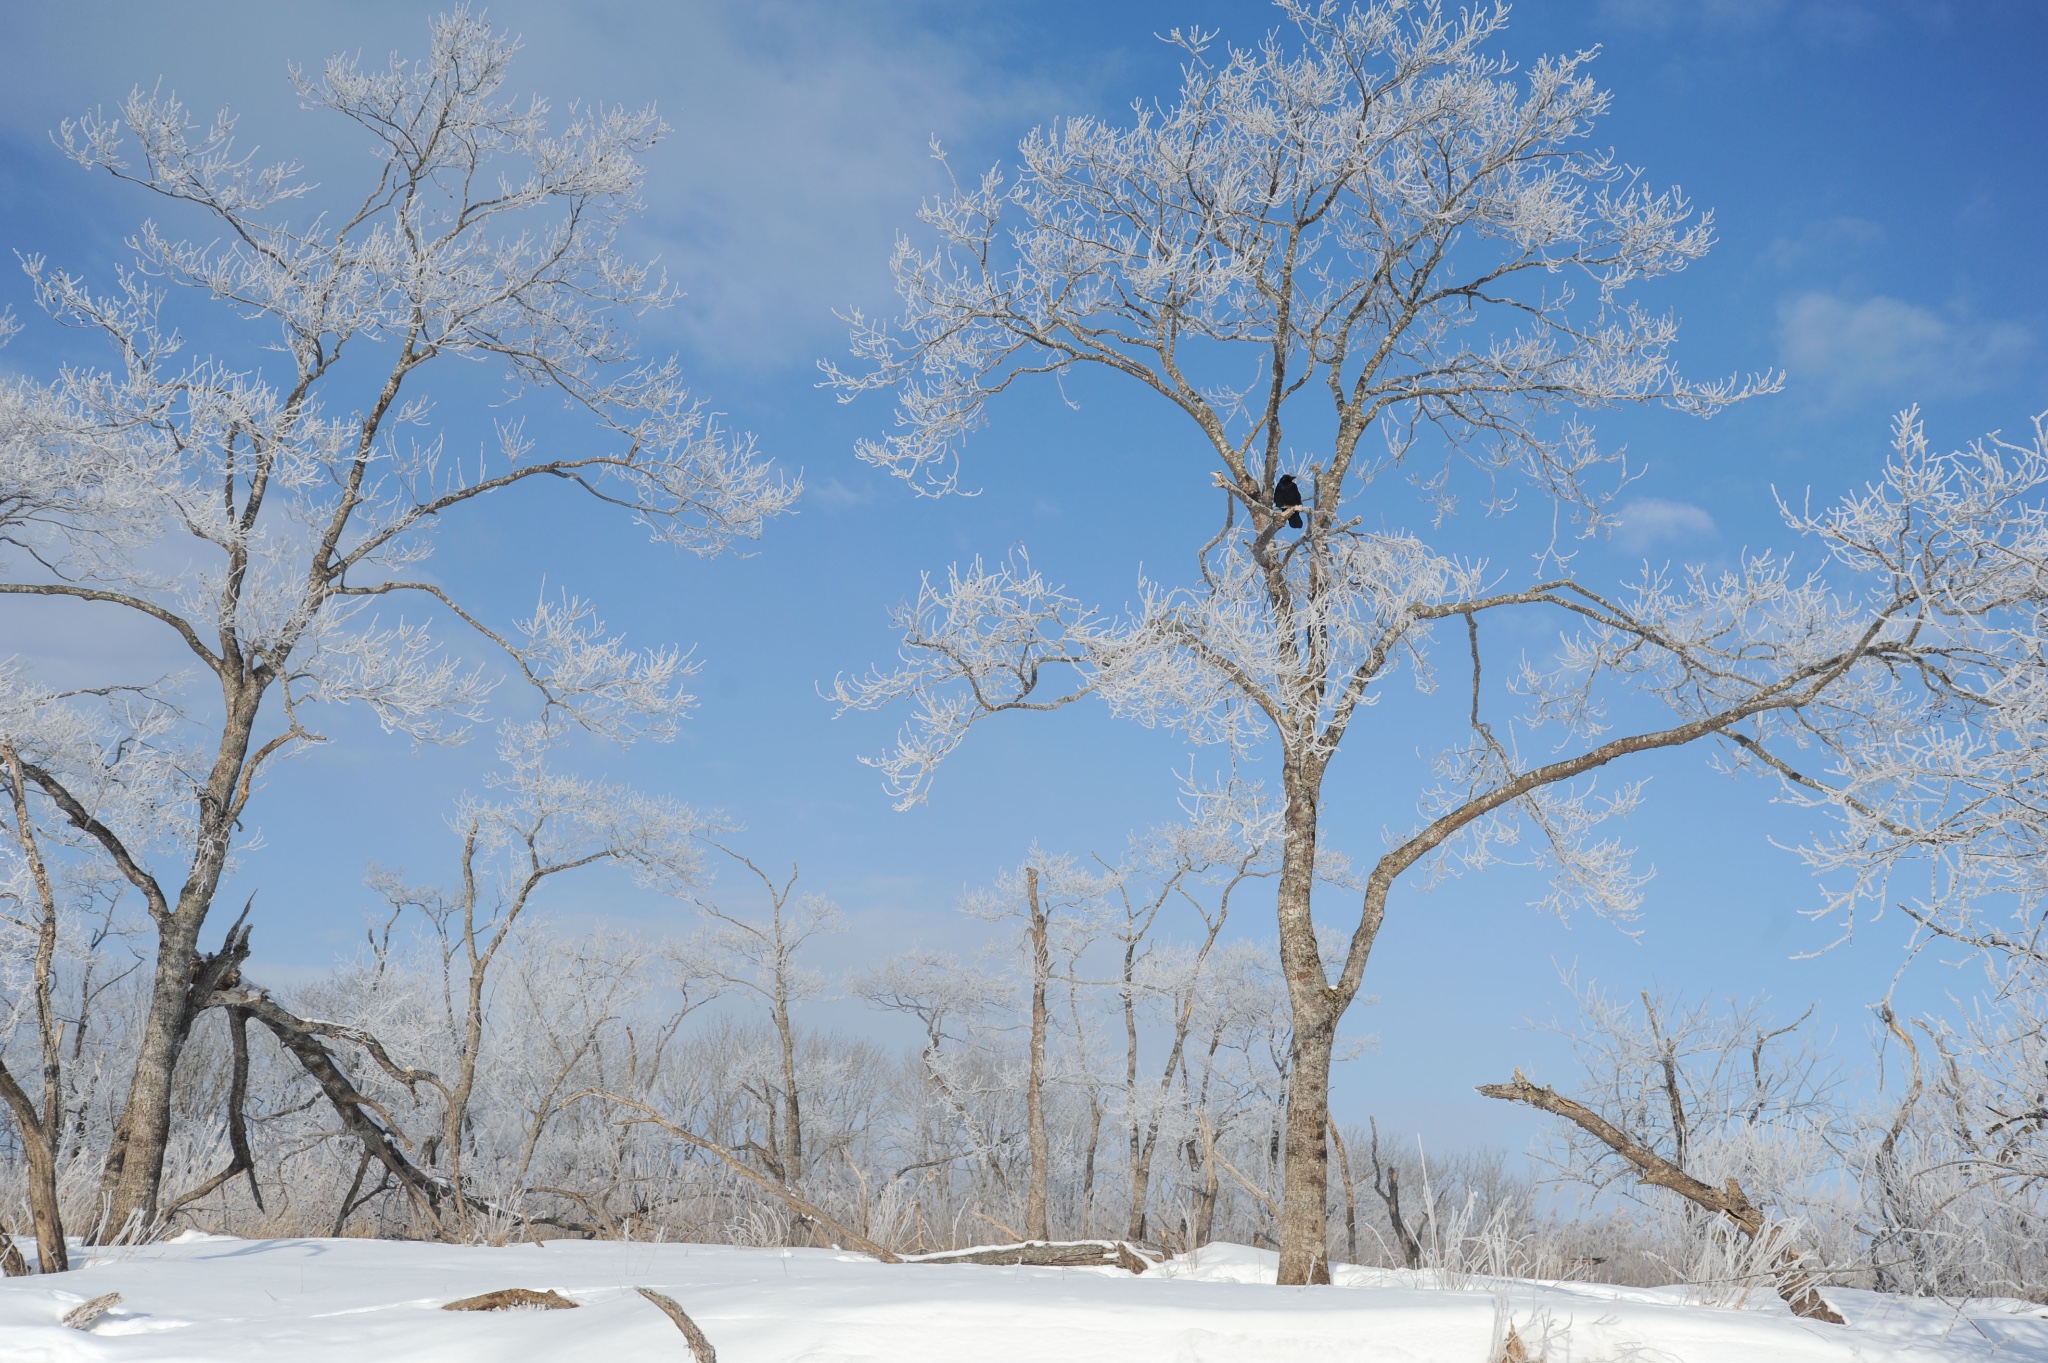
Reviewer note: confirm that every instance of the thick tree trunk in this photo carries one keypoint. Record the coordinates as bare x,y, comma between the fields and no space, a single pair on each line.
1041,1146
1141,1188
1304,1203
135,1165
132,1181
1304,1230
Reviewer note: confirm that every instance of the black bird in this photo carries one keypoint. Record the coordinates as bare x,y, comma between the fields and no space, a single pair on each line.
1286,494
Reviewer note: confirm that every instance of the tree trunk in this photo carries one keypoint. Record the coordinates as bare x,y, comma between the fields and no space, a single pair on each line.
1134,1223
1350,1195
39,1152
1304,1227
1088,1158
135,1164
132,1181
1034,1097
1304,1203
40,1132
792,1106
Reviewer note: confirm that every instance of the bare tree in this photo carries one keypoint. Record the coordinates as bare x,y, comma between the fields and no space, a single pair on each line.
546,823
760,955
1374,216
1202,864
479,233
38,1121
1046,894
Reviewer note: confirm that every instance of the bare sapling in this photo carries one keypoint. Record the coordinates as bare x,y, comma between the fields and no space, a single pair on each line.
760,955
842,1234
1047,896
1227,844
1386,1183
1034,1081
545,823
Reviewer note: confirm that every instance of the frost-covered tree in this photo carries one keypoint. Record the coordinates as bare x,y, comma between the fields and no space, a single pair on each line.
543,823
761,954
259,503
1364,251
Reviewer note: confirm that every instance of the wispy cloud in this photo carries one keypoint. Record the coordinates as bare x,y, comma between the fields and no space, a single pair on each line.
831,492
1828,240
800,142
1647,521
1838,350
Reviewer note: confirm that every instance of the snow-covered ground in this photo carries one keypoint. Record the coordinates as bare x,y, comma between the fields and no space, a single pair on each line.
218,1300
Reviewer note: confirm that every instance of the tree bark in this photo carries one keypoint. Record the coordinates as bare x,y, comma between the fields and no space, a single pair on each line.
1304,1209
1350,1195
133,1178
38,1150
1034,1097
12,1264
792,1105
40,1131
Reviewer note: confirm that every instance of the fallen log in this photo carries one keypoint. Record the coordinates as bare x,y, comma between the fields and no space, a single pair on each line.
87,1314
1046,1254
514,1299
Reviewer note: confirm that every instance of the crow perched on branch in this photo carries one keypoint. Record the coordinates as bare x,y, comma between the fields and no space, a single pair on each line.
1286,494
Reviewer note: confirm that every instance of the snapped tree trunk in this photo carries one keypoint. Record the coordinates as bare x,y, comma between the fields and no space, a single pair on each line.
1350,1195
1034,1097
1386,1181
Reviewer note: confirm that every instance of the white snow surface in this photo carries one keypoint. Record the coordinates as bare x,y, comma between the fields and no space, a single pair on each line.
215,1299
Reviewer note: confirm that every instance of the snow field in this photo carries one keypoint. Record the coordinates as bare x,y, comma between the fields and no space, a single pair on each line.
214,1299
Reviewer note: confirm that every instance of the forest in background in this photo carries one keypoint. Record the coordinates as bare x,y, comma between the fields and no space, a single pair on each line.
1117,1065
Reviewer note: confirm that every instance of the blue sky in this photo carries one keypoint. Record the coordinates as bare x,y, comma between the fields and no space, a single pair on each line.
1875,171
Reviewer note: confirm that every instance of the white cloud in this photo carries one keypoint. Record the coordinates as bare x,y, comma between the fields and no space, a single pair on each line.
800,143
1838,350
1649,520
